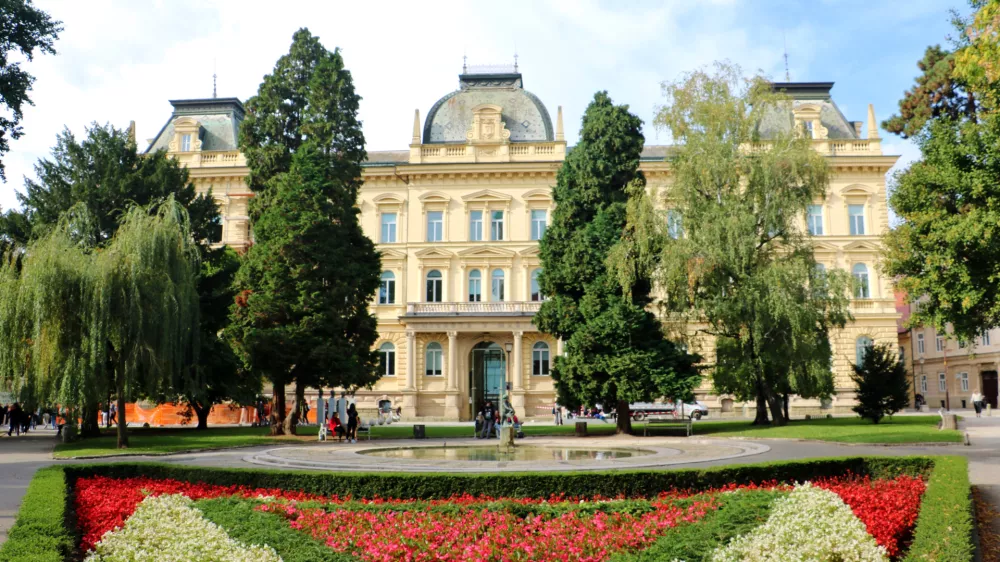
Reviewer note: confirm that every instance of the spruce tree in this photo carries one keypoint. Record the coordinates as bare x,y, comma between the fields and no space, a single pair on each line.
883,387
616,352
302,132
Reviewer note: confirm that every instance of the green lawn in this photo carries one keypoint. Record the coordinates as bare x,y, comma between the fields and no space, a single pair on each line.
901,429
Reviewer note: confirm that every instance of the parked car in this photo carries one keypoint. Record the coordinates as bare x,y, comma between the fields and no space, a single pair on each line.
641,410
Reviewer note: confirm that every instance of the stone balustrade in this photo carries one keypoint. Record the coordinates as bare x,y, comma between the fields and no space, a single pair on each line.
511,308
472,153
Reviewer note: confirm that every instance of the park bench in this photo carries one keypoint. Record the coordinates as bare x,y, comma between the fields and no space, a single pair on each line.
366,429
685,422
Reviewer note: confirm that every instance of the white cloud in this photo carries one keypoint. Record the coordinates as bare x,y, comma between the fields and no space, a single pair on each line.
120,60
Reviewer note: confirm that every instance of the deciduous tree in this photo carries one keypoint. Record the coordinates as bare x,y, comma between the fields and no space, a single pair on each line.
24,31
616,351
731,254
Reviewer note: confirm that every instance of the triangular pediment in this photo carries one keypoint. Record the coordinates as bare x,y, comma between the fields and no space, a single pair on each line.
531,252
434,253
482,252
486,195
863,245
824,246
392,255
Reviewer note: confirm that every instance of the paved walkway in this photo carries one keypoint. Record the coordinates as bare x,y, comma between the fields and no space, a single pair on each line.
20,457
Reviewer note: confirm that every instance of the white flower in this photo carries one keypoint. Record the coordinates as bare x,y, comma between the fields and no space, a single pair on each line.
808,525
169,529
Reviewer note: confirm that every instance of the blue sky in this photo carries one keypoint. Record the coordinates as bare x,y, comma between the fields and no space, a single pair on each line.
120,60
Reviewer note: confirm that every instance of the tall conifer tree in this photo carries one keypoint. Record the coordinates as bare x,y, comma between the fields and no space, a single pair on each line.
616,352
302,312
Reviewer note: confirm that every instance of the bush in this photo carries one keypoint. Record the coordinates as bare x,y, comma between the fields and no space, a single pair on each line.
944,527
883,388
41,531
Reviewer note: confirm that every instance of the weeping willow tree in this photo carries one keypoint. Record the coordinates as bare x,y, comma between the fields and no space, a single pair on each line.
80,322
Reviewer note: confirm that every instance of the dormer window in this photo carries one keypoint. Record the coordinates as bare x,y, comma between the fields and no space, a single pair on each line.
185,143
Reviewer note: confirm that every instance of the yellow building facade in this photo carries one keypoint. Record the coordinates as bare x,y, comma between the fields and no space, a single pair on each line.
457,218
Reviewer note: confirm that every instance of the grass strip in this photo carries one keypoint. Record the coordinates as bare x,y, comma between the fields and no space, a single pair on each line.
41,532
249,526
740,513
944,526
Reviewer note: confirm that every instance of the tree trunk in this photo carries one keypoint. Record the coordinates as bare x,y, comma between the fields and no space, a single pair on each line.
122,425
202,413
784,400
777,416
761,416
623,420
292,421
91,425
278,410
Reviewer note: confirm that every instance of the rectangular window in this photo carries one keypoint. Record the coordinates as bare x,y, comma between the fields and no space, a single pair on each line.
963,379
815,220
923,384
496,225
807,129
539,221
856,215
185,143
388,228
920,344
475,226
986,337
435,226
675,224
942,382
939,343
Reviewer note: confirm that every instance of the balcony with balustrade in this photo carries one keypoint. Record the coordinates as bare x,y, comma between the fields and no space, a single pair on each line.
460,309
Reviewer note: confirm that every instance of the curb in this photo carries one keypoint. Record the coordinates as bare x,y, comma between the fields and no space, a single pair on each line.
184,452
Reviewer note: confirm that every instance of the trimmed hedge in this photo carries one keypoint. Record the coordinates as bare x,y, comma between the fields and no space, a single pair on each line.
642,483
41,532
944,526
249,526
45,530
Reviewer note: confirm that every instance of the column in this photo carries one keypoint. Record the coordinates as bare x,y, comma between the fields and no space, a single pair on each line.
411,360
559,347
452,383
518,362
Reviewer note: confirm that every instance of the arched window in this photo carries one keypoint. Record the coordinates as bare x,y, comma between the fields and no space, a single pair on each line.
387,289
434,359
861,289
475,286
434,286
497,294
675,224
536,291
540,359
861,347
387,353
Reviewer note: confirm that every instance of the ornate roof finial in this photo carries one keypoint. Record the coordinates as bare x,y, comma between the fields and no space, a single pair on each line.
465,67
788,77
213,79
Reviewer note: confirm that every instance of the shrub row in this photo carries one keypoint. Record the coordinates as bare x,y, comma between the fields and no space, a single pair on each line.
944,526
45,531
517,485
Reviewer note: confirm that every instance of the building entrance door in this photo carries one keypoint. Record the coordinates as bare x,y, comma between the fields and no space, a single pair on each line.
990,387
487,374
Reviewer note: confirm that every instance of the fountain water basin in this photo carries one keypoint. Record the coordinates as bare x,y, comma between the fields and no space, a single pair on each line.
520,453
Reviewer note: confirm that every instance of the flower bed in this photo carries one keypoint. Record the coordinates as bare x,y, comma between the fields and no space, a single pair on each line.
870,514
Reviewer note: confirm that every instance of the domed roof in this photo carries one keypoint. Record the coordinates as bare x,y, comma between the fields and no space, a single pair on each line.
523,113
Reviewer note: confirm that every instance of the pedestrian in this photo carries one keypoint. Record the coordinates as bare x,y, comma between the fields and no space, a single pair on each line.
113,414
305,411
334,426
352,423
977,403
557,413
489,417
3,414
14,417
